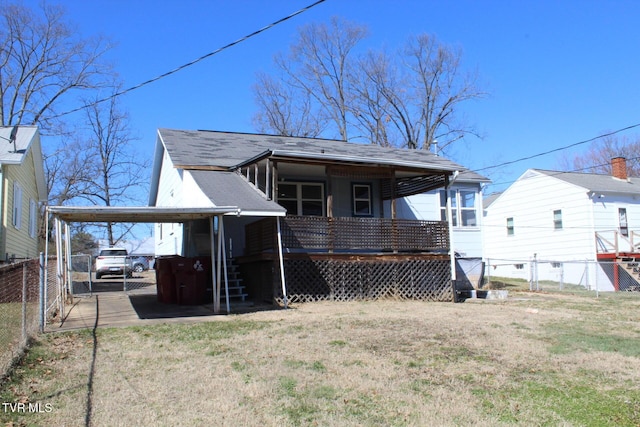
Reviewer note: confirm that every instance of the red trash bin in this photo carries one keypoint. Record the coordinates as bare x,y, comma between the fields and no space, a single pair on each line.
191,280
165,279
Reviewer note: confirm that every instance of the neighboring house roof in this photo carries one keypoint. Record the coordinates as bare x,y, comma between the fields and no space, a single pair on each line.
487,200
598,183
15,144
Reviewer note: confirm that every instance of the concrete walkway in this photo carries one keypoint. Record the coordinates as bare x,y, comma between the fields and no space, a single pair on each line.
116,309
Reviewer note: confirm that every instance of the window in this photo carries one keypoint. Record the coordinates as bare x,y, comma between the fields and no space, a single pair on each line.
17,205
467,208
557,219
622,217
33,218
463,208
362,200
300,198
510,227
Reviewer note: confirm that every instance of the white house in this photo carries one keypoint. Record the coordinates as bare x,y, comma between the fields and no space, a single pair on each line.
337,216
580,228
466,204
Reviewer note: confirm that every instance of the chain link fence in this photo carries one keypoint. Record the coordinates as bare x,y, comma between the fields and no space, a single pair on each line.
22,311
592,276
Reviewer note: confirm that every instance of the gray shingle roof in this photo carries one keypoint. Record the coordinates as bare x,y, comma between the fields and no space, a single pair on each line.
231,189
596,182
224,150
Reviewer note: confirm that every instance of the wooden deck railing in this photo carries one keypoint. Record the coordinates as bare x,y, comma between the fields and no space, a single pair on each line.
614,242
318,234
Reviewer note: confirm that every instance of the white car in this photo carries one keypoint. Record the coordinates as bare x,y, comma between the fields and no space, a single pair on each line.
113,262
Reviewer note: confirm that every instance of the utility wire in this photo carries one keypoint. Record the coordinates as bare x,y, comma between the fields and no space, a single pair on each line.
559,149
188,64
579,170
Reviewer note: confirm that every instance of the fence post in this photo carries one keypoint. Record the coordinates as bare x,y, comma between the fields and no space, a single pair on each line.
42,299
24,302
488,271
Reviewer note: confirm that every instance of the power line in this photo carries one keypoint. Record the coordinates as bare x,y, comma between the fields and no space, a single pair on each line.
188,64
559,149
579,170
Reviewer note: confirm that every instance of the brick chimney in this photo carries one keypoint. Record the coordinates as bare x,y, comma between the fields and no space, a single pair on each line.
619,167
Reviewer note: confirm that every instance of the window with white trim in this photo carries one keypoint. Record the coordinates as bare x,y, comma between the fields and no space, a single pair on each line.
622,218
557,219
510,227
302,198
33,218
361,194
17,205
463,208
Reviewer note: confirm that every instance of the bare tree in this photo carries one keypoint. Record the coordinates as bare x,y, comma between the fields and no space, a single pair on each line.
597,158
42,62
408,99
285,110
113,172
317,71
436,86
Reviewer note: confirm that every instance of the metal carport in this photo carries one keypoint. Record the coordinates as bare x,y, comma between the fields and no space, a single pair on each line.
63,215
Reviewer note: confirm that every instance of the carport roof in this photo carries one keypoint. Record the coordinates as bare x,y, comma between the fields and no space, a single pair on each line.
150,214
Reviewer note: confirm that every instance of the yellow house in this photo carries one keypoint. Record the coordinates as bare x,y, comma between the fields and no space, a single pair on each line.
22,189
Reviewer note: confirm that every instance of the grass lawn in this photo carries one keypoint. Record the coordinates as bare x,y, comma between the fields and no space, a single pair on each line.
541,359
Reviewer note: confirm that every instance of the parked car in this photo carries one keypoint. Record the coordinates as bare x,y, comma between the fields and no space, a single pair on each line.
139,264
113,262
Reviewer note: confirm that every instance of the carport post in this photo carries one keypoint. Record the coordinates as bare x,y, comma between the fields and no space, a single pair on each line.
216,302
67,251
218,264
223,251
59,267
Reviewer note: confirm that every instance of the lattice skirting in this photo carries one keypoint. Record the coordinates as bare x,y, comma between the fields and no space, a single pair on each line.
345,280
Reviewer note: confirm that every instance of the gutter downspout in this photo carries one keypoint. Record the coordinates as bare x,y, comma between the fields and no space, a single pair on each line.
452,254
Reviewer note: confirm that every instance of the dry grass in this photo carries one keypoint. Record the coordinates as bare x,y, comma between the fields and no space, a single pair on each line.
534,359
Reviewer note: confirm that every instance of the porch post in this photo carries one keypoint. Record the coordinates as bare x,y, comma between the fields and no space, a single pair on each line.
329,192
267,180
452,253
284,287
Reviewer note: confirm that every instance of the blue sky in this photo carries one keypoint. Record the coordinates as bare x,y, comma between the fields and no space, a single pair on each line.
558,72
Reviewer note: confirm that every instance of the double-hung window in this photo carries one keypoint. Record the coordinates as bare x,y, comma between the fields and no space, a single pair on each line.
463,208
17,205
33,218
557,219
362,200
302,198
